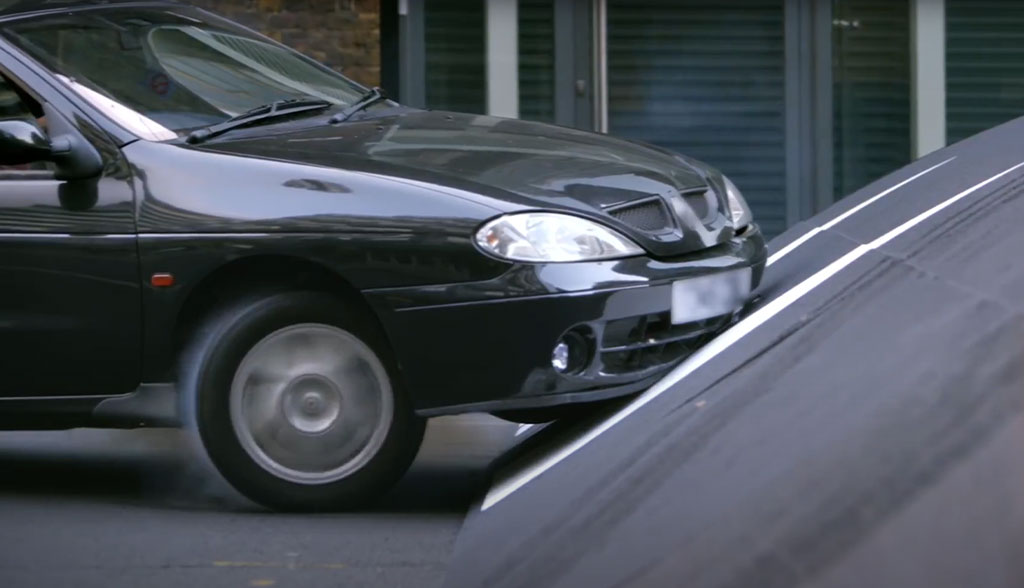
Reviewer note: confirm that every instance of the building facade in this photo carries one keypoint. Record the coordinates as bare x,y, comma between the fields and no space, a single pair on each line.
800,101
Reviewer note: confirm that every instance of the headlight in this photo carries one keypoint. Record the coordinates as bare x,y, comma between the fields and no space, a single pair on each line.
738,208
547,236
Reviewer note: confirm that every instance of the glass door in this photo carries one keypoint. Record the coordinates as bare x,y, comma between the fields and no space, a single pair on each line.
455,64
871,90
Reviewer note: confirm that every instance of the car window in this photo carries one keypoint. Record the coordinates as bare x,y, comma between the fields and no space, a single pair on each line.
11,104
15,104
164,72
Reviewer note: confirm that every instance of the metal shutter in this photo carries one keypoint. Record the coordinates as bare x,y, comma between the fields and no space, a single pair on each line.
455,69
705,78
984,65
537,60
871,91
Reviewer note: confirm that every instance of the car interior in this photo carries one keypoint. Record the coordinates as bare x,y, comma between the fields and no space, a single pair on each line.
15,104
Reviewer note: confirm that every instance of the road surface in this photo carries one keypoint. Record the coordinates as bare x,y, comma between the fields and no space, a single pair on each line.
88,508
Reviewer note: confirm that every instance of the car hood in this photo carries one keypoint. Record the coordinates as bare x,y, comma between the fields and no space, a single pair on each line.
669,203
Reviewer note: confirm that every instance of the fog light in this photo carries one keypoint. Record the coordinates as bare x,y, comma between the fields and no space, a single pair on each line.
572,351
560,356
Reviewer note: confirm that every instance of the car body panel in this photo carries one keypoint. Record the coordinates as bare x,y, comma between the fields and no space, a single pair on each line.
512,165
521,315
388,203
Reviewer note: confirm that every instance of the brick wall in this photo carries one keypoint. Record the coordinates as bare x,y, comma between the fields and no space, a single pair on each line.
344,34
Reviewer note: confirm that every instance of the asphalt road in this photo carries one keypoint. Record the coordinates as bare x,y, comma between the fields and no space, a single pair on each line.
88,508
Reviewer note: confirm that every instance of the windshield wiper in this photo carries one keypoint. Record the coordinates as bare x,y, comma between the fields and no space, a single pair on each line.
371,97
275,109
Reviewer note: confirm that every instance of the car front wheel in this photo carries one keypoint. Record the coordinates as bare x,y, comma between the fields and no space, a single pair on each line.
295,401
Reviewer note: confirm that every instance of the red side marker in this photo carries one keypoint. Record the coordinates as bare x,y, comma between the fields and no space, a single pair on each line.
162,280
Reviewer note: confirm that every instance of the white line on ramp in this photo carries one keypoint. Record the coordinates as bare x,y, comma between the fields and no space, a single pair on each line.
807,236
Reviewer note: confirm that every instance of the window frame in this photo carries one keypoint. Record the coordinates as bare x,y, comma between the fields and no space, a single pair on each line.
46,88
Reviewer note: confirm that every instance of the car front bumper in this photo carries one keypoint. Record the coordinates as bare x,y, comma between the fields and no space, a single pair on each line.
487,346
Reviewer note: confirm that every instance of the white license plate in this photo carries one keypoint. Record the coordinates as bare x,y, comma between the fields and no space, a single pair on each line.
704,297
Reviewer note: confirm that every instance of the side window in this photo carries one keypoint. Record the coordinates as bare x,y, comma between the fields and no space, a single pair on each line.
16,104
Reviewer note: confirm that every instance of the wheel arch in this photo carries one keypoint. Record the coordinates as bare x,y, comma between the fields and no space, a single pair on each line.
263,273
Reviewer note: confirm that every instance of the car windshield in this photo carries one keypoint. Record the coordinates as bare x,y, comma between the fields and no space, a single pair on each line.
164,72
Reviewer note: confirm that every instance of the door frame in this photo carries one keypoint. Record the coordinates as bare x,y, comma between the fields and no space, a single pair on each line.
808,108
78,232
575,69
577,76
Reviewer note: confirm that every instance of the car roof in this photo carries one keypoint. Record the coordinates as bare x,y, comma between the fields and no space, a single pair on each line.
18,8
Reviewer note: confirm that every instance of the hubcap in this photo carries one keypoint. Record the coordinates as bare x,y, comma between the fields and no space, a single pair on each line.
311,403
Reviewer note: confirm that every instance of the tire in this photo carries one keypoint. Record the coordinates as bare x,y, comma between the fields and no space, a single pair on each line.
296,402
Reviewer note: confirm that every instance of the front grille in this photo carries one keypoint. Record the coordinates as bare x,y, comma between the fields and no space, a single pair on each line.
702,202
641,343
649,215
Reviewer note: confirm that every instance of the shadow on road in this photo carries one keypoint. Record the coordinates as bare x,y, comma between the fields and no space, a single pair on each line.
163,469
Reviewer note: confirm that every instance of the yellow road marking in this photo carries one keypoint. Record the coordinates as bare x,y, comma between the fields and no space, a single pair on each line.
274,564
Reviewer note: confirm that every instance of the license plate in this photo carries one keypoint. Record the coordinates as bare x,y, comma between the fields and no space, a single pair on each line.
704,297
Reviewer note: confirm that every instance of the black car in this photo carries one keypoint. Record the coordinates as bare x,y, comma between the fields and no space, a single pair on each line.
200,226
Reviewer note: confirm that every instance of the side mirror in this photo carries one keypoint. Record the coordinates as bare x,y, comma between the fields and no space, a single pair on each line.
75,157
22,142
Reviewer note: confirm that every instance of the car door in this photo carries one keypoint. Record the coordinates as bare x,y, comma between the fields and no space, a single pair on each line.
70,308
